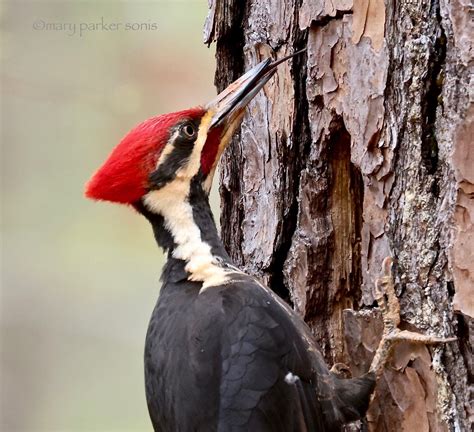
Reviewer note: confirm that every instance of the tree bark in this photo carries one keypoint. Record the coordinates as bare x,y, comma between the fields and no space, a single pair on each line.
357,150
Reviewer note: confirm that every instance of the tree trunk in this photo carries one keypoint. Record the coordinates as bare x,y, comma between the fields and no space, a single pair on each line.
356,150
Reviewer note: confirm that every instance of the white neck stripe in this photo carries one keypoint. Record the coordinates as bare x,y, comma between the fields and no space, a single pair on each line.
201,264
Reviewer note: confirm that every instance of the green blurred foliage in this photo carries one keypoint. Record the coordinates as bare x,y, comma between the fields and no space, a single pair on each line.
80,279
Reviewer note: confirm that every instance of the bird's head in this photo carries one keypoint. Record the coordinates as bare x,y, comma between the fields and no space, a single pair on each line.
168,151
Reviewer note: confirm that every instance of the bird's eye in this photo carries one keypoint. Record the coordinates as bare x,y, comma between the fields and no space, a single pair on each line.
188,130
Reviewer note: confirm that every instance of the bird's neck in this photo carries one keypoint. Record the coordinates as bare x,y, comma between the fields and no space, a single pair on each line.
184,226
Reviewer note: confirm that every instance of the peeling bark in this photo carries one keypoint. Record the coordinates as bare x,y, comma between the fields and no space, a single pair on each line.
358,150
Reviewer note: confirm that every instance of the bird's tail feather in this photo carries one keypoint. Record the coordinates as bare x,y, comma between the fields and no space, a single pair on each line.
354,396
348,402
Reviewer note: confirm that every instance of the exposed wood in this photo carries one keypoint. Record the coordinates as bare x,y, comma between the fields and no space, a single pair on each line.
358,150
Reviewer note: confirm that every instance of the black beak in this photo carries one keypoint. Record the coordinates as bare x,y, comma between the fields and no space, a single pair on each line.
230,103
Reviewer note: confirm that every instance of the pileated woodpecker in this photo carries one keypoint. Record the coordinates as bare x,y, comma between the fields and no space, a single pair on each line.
222,352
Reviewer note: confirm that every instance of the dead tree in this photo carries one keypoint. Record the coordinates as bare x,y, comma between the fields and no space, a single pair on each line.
358,150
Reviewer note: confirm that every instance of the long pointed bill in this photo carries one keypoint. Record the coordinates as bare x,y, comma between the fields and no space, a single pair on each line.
229,104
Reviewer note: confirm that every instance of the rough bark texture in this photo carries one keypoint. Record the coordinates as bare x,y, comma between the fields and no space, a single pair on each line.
360,149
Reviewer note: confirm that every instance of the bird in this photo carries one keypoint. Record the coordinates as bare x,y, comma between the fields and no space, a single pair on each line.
223,352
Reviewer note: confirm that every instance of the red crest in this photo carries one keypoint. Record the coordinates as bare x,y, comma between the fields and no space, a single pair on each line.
123,178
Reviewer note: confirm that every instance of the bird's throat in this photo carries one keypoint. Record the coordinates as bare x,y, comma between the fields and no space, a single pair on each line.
184,225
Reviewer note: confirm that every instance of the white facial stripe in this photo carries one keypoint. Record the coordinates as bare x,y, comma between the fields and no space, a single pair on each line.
169,147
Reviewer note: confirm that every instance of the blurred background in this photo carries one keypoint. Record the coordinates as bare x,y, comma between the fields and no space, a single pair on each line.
79,279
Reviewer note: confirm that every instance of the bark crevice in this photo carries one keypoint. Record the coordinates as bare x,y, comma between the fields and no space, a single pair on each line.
432,98
301,139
